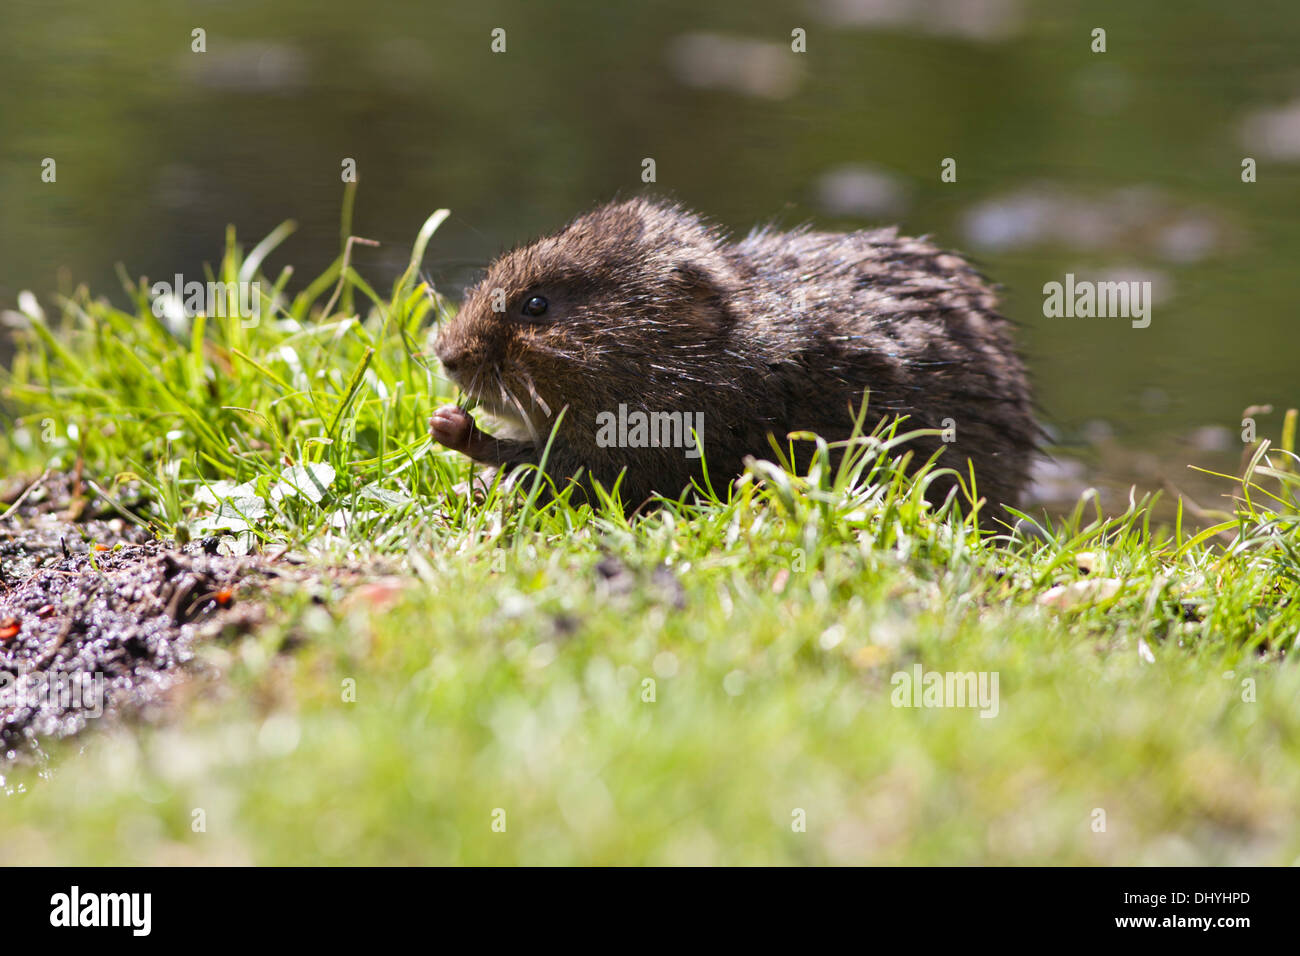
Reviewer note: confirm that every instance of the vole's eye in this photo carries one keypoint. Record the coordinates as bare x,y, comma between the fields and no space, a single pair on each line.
536,306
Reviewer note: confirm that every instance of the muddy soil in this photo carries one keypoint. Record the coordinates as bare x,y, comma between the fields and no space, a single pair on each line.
98,618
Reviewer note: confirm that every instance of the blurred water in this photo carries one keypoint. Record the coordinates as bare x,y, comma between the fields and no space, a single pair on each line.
1123,163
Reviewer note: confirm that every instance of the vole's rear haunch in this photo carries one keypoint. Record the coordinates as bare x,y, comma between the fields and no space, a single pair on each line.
641,312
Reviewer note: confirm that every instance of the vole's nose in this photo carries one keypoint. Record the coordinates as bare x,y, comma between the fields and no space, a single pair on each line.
451,356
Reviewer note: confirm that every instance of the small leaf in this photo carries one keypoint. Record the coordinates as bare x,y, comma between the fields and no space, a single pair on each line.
311,481
219,491
393,499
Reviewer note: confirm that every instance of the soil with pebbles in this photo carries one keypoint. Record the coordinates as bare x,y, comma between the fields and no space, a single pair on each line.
97,617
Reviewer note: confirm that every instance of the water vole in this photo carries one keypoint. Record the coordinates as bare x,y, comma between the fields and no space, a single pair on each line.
641,309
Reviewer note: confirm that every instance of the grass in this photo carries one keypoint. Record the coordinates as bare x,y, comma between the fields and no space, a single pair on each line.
688,687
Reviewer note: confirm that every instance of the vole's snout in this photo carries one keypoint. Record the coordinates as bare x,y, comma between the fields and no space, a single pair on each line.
451,355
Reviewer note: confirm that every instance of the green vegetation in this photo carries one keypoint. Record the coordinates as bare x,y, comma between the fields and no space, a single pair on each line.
672,689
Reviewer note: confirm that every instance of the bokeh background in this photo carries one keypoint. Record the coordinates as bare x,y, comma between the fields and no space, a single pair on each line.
1123,164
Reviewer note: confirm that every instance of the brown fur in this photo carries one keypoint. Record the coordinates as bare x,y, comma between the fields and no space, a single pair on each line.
652,308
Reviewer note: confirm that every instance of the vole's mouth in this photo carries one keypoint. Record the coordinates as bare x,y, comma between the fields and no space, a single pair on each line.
470,385
496,406
490,392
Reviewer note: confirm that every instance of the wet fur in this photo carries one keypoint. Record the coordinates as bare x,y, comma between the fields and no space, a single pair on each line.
653,308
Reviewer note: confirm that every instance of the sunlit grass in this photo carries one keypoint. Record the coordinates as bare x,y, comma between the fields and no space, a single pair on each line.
670,688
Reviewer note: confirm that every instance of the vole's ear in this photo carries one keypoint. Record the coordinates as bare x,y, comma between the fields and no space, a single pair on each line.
703,295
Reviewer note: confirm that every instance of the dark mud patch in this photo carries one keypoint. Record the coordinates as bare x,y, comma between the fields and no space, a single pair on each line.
97,617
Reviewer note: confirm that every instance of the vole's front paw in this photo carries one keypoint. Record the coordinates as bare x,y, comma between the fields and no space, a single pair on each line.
452,426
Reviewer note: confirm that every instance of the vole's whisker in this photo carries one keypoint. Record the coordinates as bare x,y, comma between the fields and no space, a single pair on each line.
524,417
546,350
532,392
470,394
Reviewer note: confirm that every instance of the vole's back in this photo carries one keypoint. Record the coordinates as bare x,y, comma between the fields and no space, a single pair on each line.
837,312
